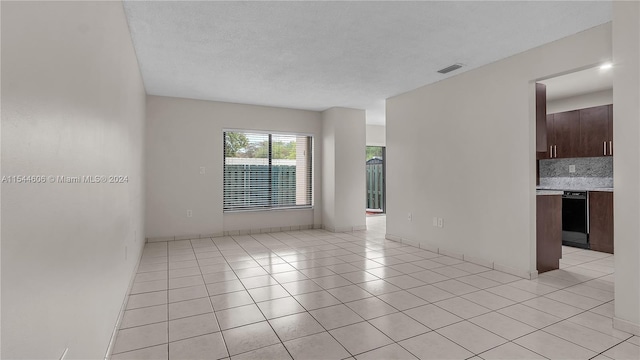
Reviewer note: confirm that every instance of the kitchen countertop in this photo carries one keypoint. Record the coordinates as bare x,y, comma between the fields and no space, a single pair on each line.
545,188
549,192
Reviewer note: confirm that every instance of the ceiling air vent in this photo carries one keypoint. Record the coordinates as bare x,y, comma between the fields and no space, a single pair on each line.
450,68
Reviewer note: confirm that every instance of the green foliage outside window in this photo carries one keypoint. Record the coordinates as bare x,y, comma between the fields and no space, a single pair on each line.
374,151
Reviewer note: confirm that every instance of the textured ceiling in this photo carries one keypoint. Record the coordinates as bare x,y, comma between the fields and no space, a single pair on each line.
316,55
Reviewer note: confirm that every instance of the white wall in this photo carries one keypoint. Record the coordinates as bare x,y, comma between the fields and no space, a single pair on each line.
344,185
72,104
626,164
182,136
376,135
462,149
328,172
604,97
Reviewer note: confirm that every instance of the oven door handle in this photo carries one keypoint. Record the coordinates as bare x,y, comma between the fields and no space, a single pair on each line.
588,240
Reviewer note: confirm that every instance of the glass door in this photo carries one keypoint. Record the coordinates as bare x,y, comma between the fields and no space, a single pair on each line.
375,179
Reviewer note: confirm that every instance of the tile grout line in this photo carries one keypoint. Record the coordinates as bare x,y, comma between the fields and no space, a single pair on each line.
224,341
367,320
308,312
313,317
259,309
403,273
125,310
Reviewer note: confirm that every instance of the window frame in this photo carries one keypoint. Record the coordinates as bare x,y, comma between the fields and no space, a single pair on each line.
270,133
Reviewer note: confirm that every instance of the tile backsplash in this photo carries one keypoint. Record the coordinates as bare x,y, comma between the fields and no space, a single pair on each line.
589,172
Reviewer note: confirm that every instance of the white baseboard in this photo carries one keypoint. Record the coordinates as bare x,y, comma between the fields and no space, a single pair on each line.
452,254
410,242
392,237
238,233
123,308
188,237
161,238
476,260
340,229
183,237
517,272
626,326
407,242
430,247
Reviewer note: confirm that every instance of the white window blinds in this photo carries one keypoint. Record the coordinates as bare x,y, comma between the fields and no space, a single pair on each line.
266,171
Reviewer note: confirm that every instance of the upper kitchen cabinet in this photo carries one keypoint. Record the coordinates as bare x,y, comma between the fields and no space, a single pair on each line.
580,133
610,130
594,131
541,118
580,121
566,134
550,137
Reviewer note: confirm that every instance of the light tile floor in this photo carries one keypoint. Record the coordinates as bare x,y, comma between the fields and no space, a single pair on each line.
319,295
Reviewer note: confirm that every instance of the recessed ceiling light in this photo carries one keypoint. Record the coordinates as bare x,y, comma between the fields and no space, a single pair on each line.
606,66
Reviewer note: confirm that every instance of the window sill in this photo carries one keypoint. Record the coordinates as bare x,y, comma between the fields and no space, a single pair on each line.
269,209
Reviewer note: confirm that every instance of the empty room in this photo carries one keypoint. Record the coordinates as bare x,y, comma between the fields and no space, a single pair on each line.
320,180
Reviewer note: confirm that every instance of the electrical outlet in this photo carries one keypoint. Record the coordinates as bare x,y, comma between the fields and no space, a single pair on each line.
202,170
440,222
189,213
435,222
572,168
409,217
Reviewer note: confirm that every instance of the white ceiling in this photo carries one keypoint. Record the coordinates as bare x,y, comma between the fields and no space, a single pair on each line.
579,83
317,55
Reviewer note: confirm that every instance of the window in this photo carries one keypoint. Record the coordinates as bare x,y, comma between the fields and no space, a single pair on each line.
266,171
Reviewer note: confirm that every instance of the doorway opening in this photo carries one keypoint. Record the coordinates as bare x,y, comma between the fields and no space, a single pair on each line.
375,165
574,167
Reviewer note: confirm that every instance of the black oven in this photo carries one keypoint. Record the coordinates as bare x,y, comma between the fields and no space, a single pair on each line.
575,219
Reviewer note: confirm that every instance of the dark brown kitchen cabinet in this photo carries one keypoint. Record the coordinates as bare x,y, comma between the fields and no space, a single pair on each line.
610,130
580,133
566,134
594,131
551,130
541,117
601,221
551,140
548,232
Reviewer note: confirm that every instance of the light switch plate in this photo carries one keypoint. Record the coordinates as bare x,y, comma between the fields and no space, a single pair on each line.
435,222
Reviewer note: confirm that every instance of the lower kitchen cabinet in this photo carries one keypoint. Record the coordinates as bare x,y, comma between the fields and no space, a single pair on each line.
549,232
601,221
